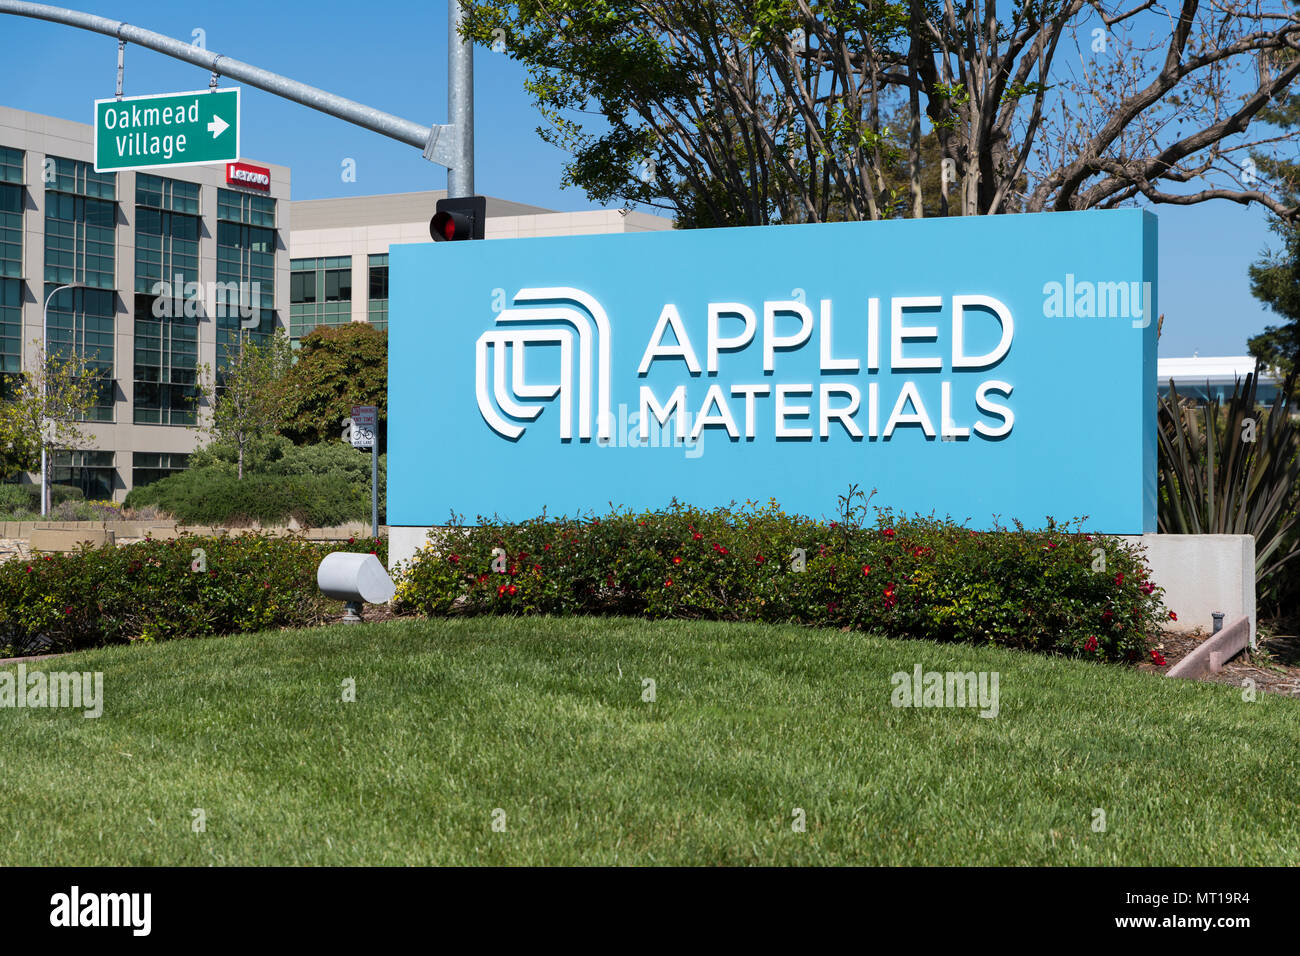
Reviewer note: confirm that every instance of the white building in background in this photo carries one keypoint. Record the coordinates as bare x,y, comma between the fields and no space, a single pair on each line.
1213,378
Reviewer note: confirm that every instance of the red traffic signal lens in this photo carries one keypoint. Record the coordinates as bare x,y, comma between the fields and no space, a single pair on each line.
443,227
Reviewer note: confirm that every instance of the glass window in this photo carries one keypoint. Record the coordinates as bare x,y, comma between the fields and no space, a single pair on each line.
81,322
79,179
11,165
252,210
322,294
166,251
11,231
79,240
171,194
91,471
11,325
166,363
377,303
147,467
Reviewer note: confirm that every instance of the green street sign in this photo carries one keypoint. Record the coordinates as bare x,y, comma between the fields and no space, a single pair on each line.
171,129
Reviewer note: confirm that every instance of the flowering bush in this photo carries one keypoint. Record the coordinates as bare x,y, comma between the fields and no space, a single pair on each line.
154,590
1054,589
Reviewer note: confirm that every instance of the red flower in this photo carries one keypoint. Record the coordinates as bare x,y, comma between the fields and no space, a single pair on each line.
668,583
48,558
375,553
1090,644
866,569
1107,614
352,540
1173,616
1158,659
1119,579
759,558
29,569
677,560
501,590
697,536
537,567
834,524
67,611
511,590
454,559
1147,588
546,547
888,532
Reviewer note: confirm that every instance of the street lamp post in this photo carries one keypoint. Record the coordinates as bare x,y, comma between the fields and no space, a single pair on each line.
45,351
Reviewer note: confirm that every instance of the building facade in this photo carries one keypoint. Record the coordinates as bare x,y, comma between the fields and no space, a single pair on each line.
164,266
168,265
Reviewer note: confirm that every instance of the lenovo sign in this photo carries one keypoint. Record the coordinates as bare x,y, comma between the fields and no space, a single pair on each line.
254,177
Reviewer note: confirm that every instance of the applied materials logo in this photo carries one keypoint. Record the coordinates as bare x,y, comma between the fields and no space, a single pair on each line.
548,316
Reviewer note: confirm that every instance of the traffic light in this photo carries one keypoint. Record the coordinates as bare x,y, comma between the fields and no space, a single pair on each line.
458,219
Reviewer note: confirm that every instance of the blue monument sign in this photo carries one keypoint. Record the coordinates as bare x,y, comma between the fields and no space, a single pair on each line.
988,368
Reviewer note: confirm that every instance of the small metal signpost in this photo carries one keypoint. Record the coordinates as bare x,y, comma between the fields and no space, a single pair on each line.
365,422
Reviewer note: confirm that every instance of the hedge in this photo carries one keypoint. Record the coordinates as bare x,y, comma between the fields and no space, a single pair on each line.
1054,590
154,590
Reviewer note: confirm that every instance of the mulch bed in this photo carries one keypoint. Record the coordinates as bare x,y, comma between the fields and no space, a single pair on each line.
1274,665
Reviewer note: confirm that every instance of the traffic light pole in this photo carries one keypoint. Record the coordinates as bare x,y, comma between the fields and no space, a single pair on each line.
460,104
450,145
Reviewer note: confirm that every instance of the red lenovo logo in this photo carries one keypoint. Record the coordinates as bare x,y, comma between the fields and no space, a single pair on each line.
254,177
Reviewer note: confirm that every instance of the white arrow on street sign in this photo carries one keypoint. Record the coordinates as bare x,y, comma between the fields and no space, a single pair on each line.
217,126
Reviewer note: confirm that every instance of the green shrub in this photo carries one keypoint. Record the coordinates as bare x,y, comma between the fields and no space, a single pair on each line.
151,591
206,497
15,500
23,502
319,486
1049,590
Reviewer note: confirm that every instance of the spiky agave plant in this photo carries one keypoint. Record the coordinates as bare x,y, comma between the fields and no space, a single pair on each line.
1233,469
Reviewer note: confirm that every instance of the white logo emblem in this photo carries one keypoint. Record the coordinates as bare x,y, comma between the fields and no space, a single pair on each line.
525,324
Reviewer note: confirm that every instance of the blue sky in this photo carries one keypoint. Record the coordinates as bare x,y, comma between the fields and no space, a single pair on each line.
393,56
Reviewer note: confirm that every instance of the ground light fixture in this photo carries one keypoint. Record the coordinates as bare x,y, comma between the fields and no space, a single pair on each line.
354,579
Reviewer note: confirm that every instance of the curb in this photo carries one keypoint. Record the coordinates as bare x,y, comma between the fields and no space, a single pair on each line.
1214,652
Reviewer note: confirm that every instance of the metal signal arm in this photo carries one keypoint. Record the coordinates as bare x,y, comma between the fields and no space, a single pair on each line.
447,145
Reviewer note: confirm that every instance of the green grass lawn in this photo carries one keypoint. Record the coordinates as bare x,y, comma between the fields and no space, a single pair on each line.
544,719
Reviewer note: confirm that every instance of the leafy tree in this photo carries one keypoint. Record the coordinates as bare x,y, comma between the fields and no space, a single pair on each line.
336,368
247,396
746,112
1275,278
47,406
